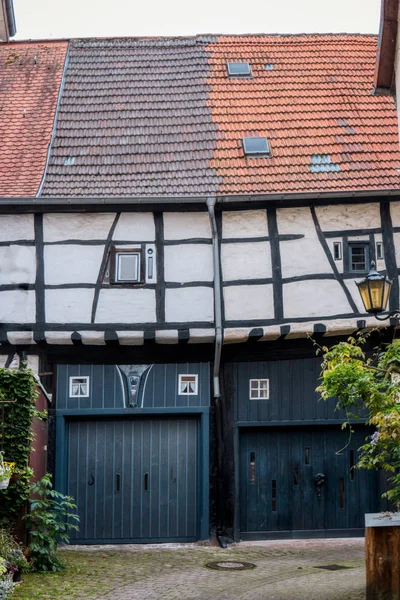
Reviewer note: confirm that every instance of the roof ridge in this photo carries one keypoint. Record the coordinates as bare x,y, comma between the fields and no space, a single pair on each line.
201,37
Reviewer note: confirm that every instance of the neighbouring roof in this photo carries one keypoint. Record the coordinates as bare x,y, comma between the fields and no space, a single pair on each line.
386,52
162,117
30,78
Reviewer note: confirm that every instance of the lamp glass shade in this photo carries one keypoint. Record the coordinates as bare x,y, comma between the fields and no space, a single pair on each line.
374,291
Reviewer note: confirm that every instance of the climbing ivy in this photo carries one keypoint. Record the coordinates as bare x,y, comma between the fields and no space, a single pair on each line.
18,393
368,386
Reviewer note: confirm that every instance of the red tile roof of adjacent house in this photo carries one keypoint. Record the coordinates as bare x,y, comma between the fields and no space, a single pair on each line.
30,78
315,104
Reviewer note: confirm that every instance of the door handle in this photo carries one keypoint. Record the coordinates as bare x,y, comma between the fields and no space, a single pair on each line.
319,480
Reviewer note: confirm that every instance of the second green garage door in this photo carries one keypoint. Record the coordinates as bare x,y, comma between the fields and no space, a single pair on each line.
134,480
301,482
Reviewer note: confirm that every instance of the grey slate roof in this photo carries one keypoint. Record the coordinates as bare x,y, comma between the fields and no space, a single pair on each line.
134,120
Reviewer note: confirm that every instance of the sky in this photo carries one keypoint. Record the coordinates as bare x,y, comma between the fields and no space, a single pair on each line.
38,19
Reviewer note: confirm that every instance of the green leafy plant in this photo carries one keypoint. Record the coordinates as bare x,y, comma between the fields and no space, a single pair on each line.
6,587
18,393
52,516
368,386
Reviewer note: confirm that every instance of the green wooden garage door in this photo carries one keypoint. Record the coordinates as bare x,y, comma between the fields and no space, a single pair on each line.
134,480
279,473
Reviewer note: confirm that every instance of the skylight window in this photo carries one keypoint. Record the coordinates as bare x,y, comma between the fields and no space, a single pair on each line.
322,163
239,69
256,146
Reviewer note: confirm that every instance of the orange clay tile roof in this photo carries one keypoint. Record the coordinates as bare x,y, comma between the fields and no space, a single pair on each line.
30,78
161,117
316,100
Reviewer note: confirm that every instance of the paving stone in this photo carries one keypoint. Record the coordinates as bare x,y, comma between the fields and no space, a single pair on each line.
284,570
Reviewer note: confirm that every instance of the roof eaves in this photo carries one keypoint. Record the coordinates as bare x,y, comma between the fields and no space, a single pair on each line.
386,51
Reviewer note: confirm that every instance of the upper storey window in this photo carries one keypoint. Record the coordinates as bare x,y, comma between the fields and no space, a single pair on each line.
126,265
256,146
239,69
359,258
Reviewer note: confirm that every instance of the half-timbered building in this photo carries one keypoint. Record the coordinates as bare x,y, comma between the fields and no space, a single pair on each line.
181,220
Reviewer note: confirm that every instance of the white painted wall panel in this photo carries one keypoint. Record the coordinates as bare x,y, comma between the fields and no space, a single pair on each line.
72,263
249,302
188,262
68,306
189,304
17,306
17,264
396,237
138,227
303,257
244,223
66,226
184,226
314,298
294,221
246,261
349,216
355,294
395,211
126,306
16,227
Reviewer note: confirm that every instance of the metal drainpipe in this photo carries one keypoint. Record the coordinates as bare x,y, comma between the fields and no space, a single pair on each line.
217,297
217,361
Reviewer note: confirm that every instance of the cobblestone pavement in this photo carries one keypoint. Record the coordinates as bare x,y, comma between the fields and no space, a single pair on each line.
284,570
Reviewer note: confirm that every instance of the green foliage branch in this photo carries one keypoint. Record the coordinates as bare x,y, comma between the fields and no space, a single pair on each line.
18,393
368,386
52,516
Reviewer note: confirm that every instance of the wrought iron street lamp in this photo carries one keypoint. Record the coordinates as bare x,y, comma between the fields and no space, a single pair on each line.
374,291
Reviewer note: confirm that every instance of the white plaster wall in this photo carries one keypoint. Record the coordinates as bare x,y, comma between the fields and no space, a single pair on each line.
314,298
138,227
349,216
68,306
16,227
72,263
126,306
189,304
17,306
303,256
249,302
181,226
17,264
355,294
294,221
66,226
188,262
395,210
396,237
244,223
246,261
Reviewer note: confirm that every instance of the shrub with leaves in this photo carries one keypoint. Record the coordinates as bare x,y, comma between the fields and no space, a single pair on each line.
18,393
52,516
6,587
370,386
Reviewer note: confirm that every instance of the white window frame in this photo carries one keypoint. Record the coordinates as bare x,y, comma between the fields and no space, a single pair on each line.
379,251
122,253
86,379
257,388
337,246
196,384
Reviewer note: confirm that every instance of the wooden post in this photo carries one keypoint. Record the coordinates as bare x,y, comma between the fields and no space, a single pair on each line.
382,556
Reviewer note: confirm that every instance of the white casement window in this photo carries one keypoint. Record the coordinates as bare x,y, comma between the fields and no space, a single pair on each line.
259,389
337,250
188,385
126,265
79,387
